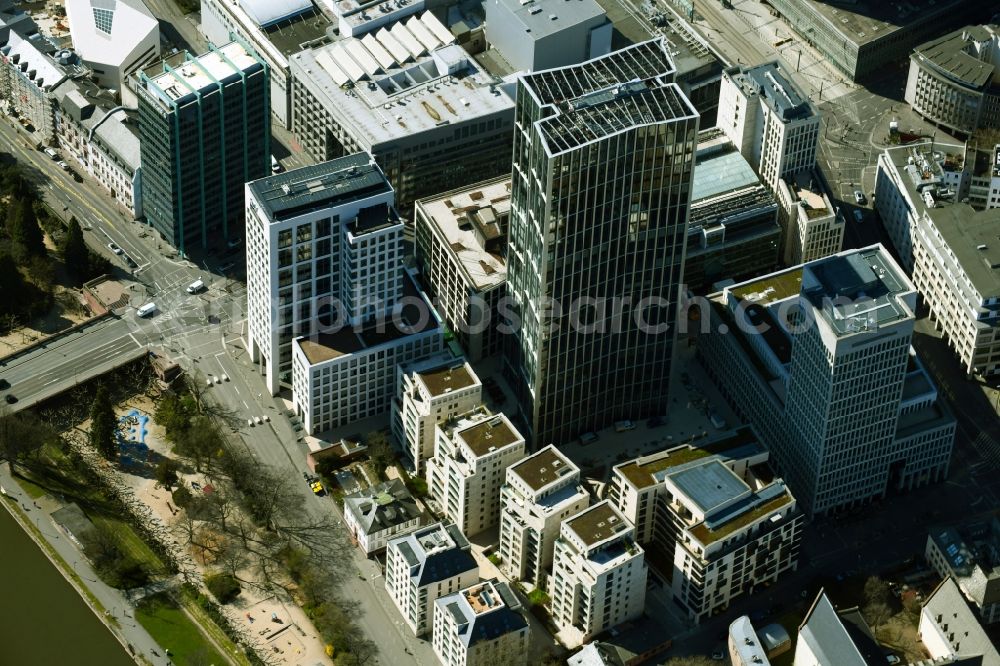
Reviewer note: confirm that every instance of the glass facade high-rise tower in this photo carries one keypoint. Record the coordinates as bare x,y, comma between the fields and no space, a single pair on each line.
204,129
602,168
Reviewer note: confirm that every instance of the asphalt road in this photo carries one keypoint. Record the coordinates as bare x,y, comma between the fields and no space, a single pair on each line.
68,360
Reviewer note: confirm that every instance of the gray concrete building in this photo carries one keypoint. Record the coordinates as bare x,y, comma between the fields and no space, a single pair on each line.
969,552
583,226
861,39
431,116
954,81
818,358
543,34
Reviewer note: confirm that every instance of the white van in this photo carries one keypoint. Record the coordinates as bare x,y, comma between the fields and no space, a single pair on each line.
51,153
275,165
146,310
195,287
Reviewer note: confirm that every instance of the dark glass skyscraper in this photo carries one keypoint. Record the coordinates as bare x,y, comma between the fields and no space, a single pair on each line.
204,128
603,161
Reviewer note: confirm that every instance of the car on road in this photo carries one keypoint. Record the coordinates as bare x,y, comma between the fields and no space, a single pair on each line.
891,659
275,165
51,153
718,655
317,488
859,198
130,261
114,248
4,384
63,166
257,420
146,310
196,287
10,398
249,421
859,217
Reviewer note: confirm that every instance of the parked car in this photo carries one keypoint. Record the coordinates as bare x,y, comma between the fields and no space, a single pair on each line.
114,248
63,166
196,287
51,153
275,165
10,398
4,384
859,217
130,261
859,197
317,488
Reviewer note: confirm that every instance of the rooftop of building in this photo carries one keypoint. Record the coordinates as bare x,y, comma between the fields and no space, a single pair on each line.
29,54
290,34
268,12
382,507
182,77
483,612
709,484
866,22
616,108
956,55
599,523
770,288
413,319
806,191
650,470
488,433
972,237
90,105
750,508
326,185
469,219
393,83
434,553
836,640
743,637
780,94
538,19
719,169
544,467
970,545
629,643
454,375
857,290
947,608
107,31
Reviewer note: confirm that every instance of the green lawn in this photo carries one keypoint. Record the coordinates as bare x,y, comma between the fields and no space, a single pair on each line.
174,630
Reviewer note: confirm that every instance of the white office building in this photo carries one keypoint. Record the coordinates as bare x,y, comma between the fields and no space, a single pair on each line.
114,38
814,228
774,125
481,626
818,358
471,456
424,565
428,394
460,239
303,239
969,552
598,574
540,492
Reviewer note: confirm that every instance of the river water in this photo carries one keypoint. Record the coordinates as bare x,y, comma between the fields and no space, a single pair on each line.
42,618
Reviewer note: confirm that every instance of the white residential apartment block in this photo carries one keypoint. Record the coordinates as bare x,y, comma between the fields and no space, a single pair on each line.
598,573
428,394
774,125
814,228
299,253
423,566
460,239
540,492
969,552
818,359
471,456
949,630
636,487
481,626
718,514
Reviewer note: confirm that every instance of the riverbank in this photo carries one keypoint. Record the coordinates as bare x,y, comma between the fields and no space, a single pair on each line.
107,604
